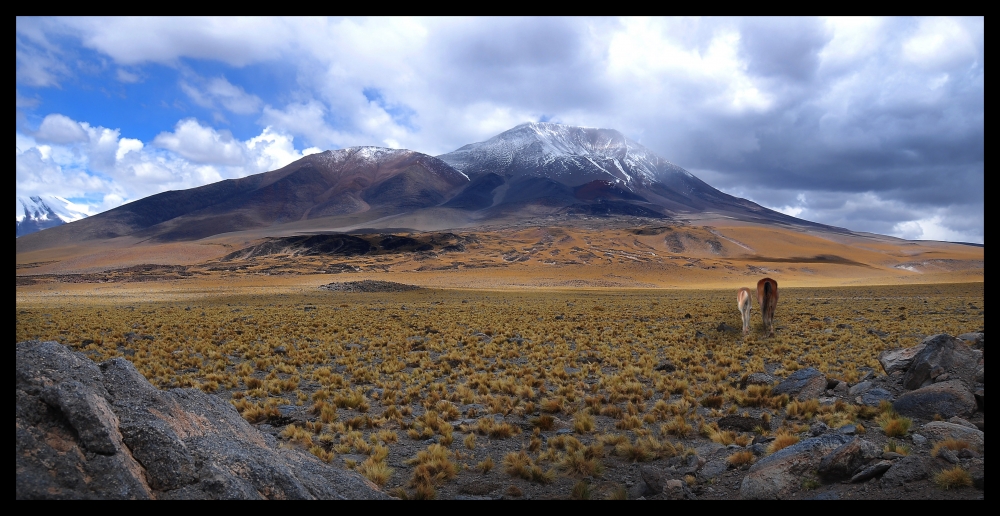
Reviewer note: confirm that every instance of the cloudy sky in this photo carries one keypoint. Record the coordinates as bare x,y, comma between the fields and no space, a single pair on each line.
872,124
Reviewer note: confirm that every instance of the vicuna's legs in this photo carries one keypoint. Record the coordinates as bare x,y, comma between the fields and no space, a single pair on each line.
767,298
744,303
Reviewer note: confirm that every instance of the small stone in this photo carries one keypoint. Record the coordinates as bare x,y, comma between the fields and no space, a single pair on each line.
874,396
872,471
848,429
918,439
892,455
948,455
860,388
818,428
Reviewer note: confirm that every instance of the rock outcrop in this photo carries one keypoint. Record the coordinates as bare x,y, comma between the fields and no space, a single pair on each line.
85,430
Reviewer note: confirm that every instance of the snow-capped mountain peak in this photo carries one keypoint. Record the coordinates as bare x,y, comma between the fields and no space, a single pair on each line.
38,212
571,154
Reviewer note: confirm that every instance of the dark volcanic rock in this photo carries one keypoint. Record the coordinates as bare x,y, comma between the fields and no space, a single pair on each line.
893,360
942,354
803,384
908,469
780,474
89,431
947,399
847,459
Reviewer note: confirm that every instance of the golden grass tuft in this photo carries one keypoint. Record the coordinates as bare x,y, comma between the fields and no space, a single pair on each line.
949,444
953,478
741,458
519,464
782,440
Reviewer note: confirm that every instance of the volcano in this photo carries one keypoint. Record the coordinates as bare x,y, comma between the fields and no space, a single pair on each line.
532,170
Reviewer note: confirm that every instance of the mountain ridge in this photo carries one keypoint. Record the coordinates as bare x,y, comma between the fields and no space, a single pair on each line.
534,169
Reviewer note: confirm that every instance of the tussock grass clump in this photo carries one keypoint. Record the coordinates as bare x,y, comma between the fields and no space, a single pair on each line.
950,444
433,467
782,440
802,409
485,465
375,470
953,478
891,422
519,464
583,422
544,422
741,458
581,491
894,446
677,427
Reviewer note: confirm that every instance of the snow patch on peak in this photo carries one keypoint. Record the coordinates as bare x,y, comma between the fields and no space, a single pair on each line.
49,207
561,150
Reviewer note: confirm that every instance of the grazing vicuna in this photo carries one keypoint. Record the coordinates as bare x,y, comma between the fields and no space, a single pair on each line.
767,299
743,302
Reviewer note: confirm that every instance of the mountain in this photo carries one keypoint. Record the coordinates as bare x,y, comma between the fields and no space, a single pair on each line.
532,170
369,180
38,212
586,171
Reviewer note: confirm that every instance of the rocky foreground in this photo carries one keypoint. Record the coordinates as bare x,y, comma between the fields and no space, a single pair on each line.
86,430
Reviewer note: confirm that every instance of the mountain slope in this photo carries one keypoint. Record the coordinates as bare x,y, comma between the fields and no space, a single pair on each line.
346,181
587,171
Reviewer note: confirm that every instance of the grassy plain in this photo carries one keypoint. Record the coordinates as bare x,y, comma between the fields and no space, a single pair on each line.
446,391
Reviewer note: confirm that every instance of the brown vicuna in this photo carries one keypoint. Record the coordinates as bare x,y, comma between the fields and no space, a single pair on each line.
744,301
767,299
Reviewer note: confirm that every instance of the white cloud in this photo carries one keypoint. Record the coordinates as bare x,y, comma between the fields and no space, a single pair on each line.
939,41
104,170
202,144
126,145
127,77
60,129
219,91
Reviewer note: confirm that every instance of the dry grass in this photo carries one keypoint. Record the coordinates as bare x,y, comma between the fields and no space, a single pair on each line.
782,440
953,478
377,375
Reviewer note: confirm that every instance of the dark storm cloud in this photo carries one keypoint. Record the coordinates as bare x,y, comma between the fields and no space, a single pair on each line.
525,62
786,48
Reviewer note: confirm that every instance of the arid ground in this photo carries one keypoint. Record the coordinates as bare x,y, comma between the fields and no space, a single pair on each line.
533,362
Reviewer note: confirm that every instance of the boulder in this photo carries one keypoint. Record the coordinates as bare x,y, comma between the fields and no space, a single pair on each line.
977,470
941,355
974,339
908,469
780,474
874,396
803,384
941,430
860,388
89,431
893,360
847,459
947,399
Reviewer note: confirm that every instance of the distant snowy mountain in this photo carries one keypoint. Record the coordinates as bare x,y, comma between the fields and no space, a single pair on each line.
38,212
568,154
